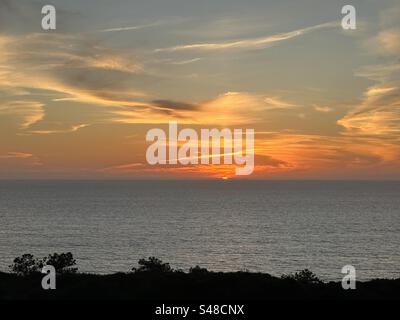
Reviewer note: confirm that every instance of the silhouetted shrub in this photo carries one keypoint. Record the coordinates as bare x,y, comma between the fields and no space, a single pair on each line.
153,264
63,263
26,264
303,276
198,270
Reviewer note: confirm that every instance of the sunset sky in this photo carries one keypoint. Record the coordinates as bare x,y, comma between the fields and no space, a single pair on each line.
77,102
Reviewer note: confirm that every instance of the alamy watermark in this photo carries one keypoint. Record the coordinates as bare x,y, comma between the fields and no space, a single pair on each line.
49,18
185,147
349,20
49,280
349,280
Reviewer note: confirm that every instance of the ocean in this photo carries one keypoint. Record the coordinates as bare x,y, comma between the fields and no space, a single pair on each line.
277,227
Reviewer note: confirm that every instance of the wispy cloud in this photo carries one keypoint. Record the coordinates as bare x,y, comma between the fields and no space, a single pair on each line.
387,42
183,62
137,27
76,68
73,128
29,112
278,103
324,109
378,115
252,43
16,155
229,108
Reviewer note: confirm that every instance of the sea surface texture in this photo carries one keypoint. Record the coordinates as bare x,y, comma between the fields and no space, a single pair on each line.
277,227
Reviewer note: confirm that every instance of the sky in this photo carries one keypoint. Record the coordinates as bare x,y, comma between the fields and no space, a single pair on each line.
76,102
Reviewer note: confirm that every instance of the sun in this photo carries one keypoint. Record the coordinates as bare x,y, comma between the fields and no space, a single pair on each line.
225,178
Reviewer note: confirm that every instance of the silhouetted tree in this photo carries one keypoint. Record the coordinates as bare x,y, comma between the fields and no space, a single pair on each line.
63,263
198,270
303,276
26,264
153,264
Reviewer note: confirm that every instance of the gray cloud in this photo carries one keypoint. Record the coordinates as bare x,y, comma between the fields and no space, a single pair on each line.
175,105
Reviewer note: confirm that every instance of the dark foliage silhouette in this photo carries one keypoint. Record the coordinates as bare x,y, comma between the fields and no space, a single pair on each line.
27,264
63,263
152,264
154,279
198,270
303,276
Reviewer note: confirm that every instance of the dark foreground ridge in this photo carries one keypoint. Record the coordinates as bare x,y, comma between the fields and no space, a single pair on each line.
155,280
189,286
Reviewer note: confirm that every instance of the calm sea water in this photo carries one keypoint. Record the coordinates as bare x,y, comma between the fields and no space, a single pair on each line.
274,227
